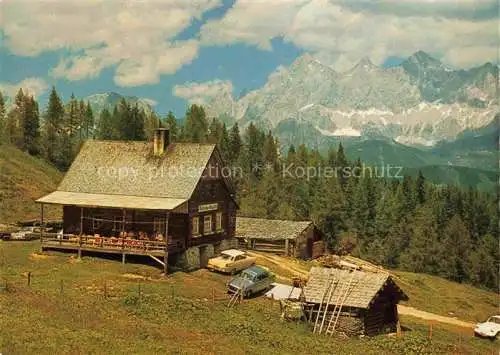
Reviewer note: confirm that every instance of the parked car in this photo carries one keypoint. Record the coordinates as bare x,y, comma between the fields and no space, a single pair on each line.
488,329
27,233
231,261
252,280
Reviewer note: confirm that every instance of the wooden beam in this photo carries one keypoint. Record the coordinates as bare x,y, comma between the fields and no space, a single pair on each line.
165,257
123,235
41,227
81,233
286,247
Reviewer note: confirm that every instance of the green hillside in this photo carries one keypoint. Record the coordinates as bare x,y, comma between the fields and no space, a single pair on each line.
23,179
484,180
384,152
97,306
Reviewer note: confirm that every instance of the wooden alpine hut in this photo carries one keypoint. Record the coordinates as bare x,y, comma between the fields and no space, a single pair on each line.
351,301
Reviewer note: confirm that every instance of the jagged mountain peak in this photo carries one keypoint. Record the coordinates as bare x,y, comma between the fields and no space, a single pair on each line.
425,60
365,63
307,61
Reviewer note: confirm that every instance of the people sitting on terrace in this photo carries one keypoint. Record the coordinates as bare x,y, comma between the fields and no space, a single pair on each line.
143,236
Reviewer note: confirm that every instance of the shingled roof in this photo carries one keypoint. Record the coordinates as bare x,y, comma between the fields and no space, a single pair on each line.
364,286
119,168
260,228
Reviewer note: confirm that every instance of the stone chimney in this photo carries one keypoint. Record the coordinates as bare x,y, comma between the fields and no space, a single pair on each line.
161,141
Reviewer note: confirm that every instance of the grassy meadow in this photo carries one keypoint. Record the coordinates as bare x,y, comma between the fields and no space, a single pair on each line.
100,306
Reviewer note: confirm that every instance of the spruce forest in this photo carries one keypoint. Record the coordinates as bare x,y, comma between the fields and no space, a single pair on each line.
399,222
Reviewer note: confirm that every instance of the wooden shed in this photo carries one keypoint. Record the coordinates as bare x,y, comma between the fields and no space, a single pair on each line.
300,239
352,302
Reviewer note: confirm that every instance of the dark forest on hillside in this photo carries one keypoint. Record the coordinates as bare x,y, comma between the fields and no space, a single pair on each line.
397,221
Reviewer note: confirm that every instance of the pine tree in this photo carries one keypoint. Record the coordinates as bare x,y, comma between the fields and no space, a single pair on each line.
31,122
223,143
327,210
195,125
88,123
3,120
454,254
422,253
270,151
235,145
254,158
420,187
341,165
16,118
408,195
52,128
213,131
172,126
105,125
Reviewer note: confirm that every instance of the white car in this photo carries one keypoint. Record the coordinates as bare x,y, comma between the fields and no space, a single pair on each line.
489,329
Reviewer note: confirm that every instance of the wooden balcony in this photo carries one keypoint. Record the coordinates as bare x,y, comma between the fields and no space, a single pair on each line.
111,245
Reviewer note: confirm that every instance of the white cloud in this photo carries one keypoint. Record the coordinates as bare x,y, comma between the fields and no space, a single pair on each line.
201,93
137,36
342,32
33,86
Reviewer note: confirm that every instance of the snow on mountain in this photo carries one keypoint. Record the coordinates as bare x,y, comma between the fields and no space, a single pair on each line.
108,100
420,102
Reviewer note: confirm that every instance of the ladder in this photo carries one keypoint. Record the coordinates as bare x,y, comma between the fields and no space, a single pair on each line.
330,329
235,297
327,295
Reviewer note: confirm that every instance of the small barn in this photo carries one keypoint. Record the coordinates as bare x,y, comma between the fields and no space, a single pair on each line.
351,301
300,239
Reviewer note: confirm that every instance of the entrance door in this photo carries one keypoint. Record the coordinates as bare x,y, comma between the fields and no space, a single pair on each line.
310,244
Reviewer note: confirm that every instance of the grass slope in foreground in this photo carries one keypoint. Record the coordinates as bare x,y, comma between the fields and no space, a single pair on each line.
24,178
101,306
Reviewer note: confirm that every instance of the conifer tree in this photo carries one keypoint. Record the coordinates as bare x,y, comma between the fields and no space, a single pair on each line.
105,125
420,187
223,143
195,125
52,131
3,120
172,126
341,165
88,123
31,123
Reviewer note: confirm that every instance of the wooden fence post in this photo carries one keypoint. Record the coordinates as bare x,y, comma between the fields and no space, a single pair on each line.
213,295
29,278
61,288
430,331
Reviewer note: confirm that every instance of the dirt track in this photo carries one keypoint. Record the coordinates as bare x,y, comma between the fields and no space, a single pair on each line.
299,270
410,311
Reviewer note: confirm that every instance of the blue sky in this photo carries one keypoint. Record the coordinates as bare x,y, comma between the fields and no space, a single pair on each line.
151,48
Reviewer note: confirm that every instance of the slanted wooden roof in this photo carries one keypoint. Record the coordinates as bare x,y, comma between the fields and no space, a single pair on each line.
260,228
125,174
364,287
112,201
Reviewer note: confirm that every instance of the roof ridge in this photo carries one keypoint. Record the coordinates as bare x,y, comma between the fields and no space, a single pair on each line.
281,220
94,193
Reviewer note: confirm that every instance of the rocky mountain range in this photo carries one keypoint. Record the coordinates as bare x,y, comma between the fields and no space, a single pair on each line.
419,102
109,100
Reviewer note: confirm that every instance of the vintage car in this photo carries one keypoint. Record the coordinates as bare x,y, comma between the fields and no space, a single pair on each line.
250,281
488,329
27,233
231,261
